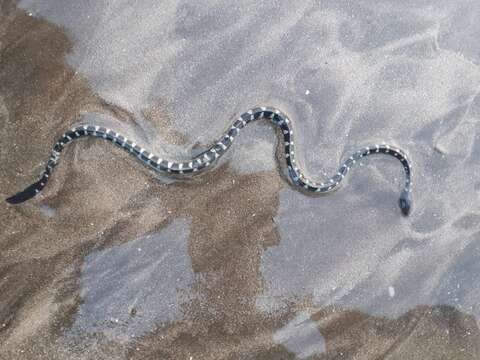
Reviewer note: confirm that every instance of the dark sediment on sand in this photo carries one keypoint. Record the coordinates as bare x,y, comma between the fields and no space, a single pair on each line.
113,262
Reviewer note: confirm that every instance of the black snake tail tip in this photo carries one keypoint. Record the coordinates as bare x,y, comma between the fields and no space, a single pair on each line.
24,195
405,202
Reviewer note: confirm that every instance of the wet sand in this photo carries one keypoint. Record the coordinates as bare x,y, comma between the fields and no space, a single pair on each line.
114,262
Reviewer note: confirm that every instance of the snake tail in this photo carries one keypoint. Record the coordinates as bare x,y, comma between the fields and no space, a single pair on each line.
207,158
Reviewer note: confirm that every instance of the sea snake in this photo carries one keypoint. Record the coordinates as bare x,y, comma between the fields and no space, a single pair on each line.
207,158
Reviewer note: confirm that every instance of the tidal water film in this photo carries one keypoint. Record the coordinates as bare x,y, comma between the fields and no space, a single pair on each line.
113,260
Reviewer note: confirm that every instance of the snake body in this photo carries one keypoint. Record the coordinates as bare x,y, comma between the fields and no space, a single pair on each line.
207,158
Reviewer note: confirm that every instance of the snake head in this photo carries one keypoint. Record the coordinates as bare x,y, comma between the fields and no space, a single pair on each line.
405,202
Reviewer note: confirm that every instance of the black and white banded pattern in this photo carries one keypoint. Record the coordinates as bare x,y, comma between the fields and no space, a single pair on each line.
207,158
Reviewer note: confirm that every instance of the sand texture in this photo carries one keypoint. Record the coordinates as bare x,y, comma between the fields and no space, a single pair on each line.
112,261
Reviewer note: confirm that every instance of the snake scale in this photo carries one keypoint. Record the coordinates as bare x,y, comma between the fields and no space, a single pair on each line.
207,158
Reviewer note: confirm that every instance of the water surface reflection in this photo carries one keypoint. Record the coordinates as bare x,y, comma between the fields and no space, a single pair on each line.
283,276
127,290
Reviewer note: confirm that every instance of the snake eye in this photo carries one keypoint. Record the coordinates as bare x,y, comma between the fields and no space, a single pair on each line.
405,202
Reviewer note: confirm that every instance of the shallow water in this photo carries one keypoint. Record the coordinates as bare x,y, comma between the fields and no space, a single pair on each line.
114,262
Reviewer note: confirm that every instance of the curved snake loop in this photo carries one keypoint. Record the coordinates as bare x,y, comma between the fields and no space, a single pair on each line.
207,158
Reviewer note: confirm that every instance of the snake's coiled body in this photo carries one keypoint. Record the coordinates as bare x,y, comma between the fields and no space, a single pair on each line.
208,157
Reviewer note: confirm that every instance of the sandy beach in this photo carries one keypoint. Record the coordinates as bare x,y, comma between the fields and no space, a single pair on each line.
113,261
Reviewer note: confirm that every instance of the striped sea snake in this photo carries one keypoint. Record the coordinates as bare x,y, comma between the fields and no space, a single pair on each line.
207,158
